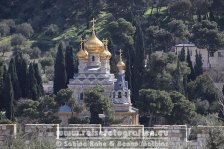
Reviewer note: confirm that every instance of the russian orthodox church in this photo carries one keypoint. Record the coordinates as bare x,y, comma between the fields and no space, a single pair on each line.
94,69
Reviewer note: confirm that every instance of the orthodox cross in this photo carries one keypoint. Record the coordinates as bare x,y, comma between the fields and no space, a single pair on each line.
81,42
120,55
105,42
93,21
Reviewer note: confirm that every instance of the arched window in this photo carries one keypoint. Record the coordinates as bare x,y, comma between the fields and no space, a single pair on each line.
120,84
119,95
126,94
93,58
81,96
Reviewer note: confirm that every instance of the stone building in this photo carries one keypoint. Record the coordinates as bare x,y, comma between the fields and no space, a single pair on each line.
212,60
192,50
94,69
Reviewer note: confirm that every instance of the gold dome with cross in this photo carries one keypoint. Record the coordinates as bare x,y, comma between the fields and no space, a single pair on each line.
120,64
105,54
93,44
82,54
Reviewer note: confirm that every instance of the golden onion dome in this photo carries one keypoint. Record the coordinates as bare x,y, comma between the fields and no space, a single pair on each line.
82,54
120,64
108,52
93,44
104,55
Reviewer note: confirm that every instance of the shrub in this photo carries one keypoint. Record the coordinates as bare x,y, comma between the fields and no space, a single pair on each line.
75,120
25,29
4,29
51,30
18,39
34,52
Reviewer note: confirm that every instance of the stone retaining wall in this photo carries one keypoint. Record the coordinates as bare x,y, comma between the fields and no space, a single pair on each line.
177,135
42,130
7,131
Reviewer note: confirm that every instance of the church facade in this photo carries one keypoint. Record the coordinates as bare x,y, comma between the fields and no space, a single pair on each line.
94,69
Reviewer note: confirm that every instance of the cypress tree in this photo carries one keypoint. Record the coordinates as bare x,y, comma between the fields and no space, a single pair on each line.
177,77
223,90
14,78
8,97
139,62
69,63
1,73
21,69
32,87
76,64
40,88
191,76
198,64
60,78
4,75
182,54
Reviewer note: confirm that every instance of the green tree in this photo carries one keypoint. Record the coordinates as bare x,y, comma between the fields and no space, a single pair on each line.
25,29
60,77
198,64
2,71
51,30
183,109
69,63
47,104
40,111
177,77
121,33
216,10
205,34
161,72
27,110
21,69
137,70
202,106
182,55
181,9
32,86
63,96
98,104
18,40
201,8
191,76
4,29
154,103
46,62
4,77
8,97
202,88
34,53
40,89
14,79
48,107
159,39
179,30
5,47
